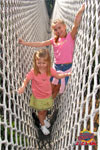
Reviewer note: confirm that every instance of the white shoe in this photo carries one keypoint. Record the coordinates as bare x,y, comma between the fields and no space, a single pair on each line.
45,130
47,124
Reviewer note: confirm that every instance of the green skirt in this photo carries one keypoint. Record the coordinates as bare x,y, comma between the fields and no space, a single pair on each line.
41,104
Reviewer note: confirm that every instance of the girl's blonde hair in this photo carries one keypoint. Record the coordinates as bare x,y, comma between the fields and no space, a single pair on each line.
42,53
53,26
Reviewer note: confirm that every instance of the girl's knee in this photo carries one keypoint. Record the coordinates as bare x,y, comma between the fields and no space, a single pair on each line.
41,112
57,87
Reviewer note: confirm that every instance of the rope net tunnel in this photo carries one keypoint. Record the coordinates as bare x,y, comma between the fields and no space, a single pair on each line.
78,108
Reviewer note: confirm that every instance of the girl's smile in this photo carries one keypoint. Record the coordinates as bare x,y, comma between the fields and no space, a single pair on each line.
42,65
60,30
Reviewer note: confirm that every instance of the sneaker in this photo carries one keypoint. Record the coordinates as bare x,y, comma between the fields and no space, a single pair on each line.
45,130
47,124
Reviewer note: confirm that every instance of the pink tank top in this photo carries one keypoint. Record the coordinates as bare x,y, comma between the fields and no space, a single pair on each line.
63,49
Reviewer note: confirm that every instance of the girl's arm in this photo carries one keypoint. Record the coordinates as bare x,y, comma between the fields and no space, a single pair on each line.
35,44
77,21
24,84
62,75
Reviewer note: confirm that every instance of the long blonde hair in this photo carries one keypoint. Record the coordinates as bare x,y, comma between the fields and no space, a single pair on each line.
42,53
53,26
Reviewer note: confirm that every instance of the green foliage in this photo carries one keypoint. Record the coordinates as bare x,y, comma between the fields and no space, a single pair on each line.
50,6
19,137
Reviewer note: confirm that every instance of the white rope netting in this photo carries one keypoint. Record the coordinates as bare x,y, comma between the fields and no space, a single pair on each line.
27,19
79,106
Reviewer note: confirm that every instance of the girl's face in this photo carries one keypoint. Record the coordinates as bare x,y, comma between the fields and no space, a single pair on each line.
41,63
60,30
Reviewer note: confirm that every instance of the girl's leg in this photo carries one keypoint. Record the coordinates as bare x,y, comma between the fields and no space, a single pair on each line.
42,116
55,90
58,67
43,119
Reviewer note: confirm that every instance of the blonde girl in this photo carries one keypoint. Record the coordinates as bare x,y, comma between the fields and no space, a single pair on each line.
63,44
40,74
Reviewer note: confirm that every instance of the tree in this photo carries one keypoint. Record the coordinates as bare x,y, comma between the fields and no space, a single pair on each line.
50,6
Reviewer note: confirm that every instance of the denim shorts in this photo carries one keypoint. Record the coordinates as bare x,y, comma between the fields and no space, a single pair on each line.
62,67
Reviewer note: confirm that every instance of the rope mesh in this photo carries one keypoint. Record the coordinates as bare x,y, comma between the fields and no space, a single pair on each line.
25,19
79,106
